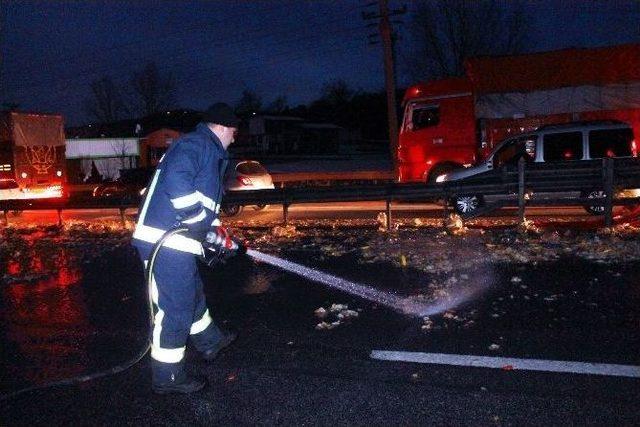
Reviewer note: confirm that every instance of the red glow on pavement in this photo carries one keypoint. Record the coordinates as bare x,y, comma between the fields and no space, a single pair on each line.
13,268
45,314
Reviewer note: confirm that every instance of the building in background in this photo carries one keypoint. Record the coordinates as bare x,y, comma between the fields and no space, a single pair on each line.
154,145
106,155
100,150
286,135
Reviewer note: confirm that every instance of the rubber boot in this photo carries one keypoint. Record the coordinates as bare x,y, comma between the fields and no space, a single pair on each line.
171,378
226,338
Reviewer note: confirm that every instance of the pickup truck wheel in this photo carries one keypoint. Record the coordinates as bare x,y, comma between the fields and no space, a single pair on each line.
231,210
595,194
467,204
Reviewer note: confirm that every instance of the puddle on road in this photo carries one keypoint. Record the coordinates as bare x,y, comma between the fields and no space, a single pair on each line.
50,297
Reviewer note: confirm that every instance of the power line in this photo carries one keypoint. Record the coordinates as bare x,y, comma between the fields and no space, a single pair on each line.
273,61
175,64
186,30
207,42
277,58
196,73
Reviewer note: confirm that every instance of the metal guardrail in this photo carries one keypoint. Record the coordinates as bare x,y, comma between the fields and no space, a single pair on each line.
606,174
364,175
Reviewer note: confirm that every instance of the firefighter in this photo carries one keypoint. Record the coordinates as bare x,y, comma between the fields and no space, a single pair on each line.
185,191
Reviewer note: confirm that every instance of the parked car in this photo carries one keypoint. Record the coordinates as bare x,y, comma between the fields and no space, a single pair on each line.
244,175
568,142
241,175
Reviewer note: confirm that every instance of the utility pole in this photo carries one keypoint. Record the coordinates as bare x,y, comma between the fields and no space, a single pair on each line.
386,36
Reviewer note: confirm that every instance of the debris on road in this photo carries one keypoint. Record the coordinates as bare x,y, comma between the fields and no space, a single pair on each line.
284,231
320,313
334,316
454,225
528,227
381,219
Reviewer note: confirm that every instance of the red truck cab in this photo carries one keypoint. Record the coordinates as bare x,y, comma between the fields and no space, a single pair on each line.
438,131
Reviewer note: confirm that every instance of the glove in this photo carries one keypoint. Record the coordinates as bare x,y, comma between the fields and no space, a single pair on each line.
219,246
197,230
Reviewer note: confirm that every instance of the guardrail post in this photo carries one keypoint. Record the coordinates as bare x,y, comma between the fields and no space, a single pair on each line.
122,220
607,175
445,206
285,213
388,212
6,217
521,164
59,217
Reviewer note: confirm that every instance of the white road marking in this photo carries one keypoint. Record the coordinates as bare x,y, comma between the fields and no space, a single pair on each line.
509,363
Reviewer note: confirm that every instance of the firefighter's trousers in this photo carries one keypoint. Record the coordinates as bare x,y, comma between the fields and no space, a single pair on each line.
180,312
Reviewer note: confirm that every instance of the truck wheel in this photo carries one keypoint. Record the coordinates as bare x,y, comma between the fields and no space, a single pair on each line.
231,210
595,194
467,204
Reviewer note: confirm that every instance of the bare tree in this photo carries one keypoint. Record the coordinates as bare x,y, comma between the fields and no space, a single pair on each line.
248,103
278,105
336,92
10,106
334,104
447,32
155,92
120,149
106,103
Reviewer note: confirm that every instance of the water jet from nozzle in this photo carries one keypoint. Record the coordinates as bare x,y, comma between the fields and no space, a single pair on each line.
406,305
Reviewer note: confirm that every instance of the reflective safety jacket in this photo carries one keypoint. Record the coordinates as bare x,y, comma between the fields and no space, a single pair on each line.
186,188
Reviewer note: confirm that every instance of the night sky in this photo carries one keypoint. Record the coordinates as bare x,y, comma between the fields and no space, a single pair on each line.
52,50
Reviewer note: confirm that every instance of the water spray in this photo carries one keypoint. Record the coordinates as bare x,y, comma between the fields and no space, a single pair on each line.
406,305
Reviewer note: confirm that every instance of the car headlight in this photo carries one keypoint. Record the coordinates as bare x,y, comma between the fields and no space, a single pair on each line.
441,178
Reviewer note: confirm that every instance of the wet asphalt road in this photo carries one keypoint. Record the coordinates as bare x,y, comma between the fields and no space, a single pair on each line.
284,371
